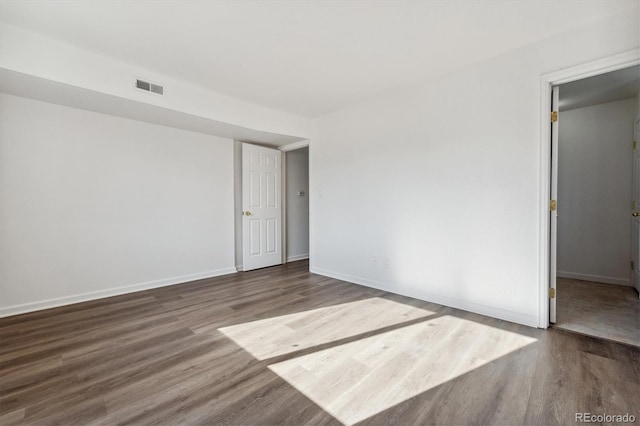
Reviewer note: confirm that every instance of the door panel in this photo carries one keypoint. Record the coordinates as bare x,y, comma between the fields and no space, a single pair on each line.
254,249
271,236
271,190
636,178
636,252
261,205
254,189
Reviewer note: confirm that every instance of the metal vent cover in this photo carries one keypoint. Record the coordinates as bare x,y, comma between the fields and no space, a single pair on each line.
156,88
147,86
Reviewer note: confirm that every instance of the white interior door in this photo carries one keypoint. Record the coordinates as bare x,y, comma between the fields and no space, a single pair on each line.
635,215
553,209
261,207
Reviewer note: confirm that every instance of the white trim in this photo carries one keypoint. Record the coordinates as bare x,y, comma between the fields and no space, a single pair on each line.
601,66
239,268
93,295
528,320
283,207
295,145
544,218
594,278
311,198
297,257
597,67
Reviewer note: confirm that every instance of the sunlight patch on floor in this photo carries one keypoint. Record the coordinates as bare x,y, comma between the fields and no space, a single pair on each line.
356,380
281,335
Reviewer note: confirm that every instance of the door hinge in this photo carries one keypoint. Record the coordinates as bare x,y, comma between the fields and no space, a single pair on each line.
552,293
554,116
635,144
553,205
633,265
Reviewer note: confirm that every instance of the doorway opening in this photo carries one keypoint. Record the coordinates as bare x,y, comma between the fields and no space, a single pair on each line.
595,205
296,204
595,192
271,207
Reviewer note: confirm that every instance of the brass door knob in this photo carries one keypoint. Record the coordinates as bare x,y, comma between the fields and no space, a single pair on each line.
247,213
635,214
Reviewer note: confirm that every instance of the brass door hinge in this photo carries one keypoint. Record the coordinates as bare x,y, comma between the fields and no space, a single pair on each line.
635,144
633,265
554,116
553,205
552,293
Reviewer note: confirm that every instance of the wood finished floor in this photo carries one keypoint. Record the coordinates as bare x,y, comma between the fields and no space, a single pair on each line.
601,310
284,346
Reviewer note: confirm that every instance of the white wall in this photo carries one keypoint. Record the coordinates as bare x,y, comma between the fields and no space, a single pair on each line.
93,205
434,191
297,212
594,192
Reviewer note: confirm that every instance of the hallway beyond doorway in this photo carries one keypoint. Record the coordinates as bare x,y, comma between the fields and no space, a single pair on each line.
607,311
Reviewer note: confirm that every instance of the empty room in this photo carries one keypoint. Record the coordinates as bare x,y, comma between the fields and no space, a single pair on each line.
319,212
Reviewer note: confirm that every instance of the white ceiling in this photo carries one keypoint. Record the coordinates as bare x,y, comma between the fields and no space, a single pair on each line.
610,87
303,57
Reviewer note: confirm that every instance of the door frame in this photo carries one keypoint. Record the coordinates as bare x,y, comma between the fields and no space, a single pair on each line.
547,81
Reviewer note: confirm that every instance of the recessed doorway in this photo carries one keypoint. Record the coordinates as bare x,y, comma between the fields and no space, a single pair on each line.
596,201
296,204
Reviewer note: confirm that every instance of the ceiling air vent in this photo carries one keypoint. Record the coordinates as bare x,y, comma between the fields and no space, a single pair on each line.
147,86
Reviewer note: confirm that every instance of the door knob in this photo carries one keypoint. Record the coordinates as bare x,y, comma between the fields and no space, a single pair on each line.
247,213
635,214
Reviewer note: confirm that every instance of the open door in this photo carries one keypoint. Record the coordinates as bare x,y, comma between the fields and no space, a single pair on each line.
261,207
553,208
635,214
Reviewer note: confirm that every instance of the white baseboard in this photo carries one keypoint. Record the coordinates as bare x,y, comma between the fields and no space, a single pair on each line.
594,278
100,294
516,317
289,259
297,257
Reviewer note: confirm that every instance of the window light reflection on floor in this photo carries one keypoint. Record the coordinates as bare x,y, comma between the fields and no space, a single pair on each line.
359,379
276,336
411,351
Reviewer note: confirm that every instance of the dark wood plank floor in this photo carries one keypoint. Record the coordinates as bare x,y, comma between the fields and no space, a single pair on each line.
160,357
